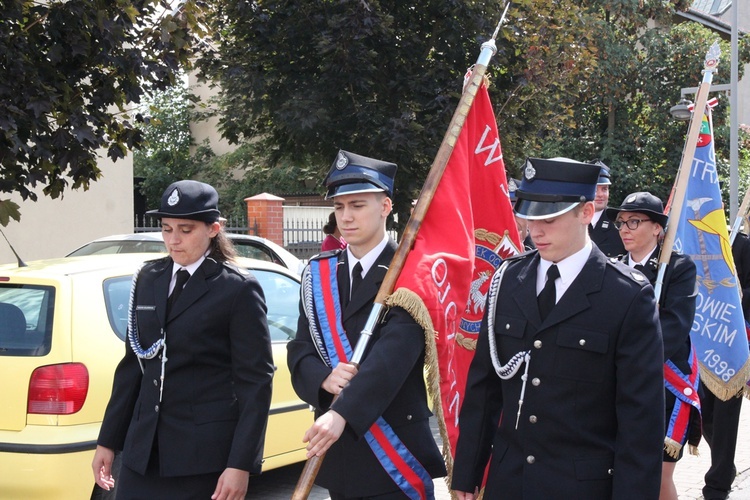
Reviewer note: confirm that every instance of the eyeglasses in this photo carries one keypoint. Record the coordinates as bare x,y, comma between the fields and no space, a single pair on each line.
631,223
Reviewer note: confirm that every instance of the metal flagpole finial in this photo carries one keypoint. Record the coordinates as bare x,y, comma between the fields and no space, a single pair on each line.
489,48
712,57
502,19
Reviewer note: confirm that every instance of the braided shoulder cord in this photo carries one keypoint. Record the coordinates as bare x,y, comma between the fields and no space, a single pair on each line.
309,308
133,338
509,369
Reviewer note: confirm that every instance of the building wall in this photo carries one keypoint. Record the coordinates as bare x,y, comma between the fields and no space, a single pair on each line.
52,228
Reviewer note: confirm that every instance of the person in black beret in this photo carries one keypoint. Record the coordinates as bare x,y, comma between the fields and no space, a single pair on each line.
564,396
602,232
385,396
641,221
190,424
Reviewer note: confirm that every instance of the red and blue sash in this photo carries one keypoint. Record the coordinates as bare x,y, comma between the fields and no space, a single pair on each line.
685,389
405,470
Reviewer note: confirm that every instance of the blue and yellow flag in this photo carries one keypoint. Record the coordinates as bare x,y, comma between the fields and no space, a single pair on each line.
718,331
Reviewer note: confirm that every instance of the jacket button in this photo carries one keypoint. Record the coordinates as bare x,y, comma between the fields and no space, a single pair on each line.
507,326
535,381
156,408
538,344
408,417
156,383
530,459
532,419
610,472
582,342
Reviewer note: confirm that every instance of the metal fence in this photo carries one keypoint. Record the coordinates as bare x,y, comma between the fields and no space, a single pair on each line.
233,224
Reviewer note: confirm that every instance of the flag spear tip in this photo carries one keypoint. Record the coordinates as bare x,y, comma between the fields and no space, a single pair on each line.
502,19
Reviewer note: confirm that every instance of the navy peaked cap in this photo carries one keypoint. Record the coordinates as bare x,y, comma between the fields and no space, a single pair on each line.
512,188
551,187
189,200
352,173
604,173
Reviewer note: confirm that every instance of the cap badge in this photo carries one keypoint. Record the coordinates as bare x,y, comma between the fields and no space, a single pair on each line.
512,186
529,172
631,199
341,162
174,198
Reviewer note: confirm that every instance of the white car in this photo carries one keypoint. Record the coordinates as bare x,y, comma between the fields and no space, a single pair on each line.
253,247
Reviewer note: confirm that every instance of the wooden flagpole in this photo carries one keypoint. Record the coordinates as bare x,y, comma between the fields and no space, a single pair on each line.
686,164
312,466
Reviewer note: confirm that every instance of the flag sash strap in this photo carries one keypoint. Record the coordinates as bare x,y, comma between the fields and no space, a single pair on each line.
685,389
398,462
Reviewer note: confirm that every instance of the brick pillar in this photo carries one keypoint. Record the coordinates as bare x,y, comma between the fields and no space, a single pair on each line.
267,211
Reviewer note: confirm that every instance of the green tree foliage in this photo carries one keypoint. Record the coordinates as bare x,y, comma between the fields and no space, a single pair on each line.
165,155
70,70
585,79
380,78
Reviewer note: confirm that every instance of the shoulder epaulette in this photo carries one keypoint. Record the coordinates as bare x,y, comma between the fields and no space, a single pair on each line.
632,274
327,254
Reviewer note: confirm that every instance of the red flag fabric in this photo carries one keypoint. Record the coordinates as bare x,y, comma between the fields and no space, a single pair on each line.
469,228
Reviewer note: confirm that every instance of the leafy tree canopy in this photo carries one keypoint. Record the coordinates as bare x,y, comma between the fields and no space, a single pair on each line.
586,79
69,72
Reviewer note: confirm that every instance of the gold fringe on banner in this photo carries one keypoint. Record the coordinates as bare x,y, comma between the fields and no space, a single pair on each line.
722,389
413,304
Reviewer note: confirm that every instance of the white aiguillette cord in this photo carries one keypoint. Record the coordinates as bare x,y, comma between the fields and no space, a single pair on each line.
135,343
509,369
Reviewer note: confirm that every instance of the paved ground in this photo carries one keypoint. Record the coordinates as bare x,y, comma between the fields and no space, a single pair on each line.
689,473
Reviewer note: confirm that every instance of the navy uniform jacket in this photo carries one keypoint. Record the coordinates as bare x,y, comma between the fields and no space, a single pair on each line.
217,386
676,306
390,384
606,236
592,422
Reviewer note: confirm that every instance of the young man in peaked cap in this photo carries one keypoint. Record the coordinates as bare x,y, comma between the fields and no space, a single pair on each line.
565,390
385,396
602,232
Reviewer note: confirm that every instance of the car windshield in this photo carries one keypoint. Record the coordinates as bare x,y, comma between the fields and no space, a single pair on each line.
281,292
123,246
26,320
282,299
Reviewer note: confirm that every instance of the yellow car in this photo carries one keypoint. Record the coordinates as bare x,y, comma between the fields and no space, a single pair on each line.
62,326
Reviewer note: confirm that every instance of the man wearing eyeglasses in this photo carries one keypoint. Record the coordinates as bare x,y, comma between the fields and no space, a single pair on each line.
564,396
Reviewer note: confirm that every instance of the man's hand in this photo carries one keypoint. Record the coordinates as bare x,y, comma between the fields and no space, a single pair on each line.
232,485
102,466
325,431
339,377
464,495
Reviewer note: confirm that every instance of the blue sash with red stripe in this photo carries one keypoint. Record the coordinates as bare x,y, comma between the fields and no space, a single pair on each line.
685,389
333,345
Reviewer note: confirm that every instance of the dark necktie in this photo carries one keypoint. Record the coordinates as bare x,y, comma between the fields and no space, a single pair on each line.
181,278
356,278
546,298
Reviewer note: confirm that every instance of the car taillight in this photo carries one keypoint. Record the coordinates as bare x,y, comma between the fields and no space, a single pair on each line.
58,389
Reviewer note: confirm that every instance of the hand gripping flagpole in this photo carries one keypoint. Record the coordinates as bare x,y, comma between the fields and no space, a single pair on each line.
489,49
683,174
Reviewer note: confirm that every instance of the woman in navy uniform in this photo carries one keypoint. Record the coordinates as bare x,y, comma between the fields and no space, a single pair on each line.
641,222
565,389
389,384
190,399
